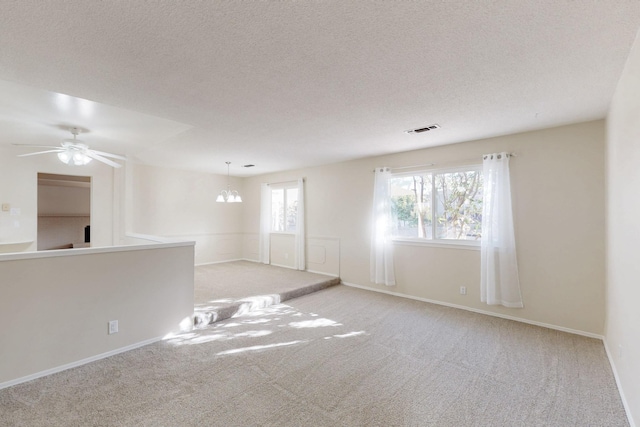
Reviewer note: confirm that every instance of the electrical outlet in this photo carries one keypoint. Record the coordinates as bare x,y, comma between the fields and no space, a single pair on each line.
620,351
286,256
463,290
113,327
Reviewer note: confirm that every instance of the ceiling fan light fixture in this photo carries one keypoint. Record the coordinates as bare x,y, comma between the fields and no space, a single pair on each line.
75,152
65,157
81,159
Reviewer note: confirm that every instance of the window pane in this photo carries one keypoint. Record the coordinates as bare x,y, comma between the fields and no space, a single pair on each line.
459,205
277,209
411,205
292,209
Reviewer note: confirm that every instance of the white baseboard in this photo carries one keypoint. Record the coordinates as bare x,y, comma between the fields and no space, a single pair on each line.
219,262
283,266
323,273
227,260
77,363
475,310
617,378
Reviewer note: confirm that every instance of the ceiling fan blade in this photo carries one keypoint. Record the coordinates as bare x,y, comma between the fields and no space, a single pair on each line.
36,146
59,150
115,156
99,158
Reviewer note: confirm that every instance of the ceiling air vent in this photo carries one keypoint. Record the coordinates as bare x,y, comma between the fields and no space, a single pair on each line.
424,129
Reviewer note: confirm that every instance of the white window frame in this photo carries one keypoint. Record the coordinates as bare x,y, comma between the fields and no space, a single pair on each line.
433,242
282,186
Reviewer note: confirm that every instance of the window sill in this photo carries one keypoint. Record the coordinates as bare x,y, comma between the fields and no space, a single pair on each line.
284,233
469,245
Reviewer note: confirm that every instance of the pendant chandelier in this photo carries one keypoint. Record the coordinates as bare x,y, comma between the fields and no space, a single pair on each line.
228,195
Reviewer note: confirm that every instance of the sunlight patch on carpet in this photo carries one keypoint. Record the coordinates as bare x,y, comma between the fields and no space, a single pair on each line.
316,323
260,347
350,334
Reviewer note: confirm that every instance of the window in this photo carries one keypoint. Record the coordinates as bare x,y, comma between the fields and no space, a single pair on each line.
438,205
284,208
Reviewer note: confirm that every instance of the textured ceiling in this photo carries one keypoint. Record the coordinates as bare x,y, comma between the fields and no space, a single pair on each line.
293,84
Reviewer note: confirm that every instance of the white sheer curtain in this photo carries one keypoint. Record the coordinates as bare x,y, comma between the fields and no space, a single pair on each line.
300,227
265,223
381,245
499,280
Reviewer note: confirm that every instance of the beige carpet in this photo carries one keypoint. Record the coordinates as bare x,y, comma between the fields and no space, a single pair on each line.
230,289
338,357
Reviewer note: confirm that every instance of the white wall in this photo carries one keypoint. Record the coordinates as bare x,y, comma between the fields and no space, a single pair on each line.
19,187
558,192
623,233
55,306
181,204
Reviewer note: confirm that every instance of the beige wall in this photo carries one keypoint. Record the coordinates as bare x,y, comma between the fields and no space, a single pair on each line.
55,232
55,309
623,233
251,246
558,194
181,204
63,214
64,200
282,250
323,255
19,187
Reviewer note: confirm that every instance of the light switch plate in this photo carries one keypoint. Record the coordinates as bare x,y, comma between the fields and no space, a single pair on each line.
6,207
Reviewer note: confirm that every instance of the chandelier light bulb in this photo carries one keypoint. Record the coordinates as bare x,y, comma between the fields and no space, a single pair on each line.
228,195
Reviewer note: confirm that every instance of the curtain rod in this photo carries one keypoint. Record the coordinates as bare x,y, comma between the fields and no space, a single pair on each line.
475,159
284,182
409,167
434,164
415,166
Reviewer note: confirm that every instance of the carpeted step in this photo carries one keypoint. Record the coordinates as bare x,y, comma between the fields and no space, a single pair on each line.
215,311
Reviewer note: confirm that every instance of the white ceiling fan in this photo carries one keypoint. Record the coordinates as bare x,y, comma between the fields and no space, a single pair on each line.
76,152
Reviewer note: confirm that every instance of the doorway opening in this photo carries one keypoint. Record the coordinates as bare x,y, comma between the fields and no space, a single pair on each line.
64,211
